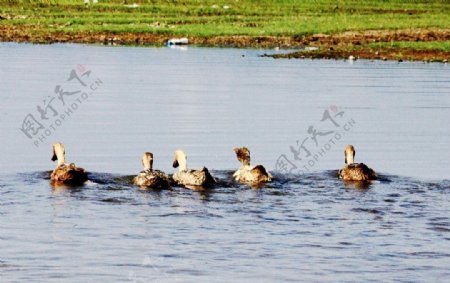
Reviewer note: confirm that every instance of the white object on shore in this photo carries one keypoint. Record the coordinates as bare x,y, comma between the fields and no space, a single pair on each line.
134,5
351,58
178,41
311,48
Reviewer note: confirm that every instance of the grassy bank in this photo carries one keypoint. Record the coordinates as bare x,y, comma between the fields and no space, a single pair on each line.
243,23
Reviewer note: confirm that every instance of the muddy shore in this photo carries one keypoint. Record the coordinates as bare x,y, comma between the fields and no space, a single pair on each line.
337,46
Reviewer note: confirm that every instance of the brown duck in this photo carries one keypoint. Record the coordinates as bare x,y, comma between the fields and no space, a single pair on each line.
66,174
249,174
192,179
150,178
355,171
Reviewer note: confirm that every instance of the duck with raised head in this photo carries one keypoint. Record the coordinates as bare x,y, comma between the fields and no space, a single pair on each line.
249,174
355,171
150,178
192,179
66,174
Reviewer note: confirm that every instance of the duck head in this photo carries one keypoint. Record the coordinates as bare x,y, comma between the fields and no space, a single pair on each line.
58,153
349,154
147,161
180,160
243,155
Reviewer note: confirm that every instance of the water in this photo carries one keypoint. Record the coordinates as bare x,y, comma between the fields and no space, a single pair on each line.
302,227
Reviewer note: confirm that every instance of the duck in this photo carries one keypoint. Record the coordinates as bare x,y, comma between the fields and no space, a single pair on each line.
191,179
249,174
355,171
150,178
66,174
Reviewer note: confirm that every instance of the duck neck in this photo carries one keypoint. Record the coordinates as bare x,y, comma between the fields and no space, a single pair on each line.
245,166
148,166
183,164
349,158
61,158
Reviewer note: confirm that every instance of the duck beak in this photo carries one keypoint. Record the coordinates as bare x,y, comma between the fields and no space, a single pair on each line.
54,158
175,163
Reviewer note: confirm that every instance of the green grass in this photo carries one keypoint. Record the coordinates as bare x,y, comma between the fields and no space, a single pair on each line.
243,17
209,18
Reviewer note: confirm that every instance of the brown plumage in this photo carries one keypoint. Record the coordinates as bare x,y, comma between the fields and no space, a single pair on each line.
192,179
63,173
247,174
69,175
153,179
150,178
355,171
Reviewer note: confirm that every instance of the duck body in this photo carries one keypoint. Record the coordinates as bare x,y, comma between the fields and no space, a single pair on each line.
154,179
69,175
357,172
65,174
150,178
253,175
257,174
194,178
191,179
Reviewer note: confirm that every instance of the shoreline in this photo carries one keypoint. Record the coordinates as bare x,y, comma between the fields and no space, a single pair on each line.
357,45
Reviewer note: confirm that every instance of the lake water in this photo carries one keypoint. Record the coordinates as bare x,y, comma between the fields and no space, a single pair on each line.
295,116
